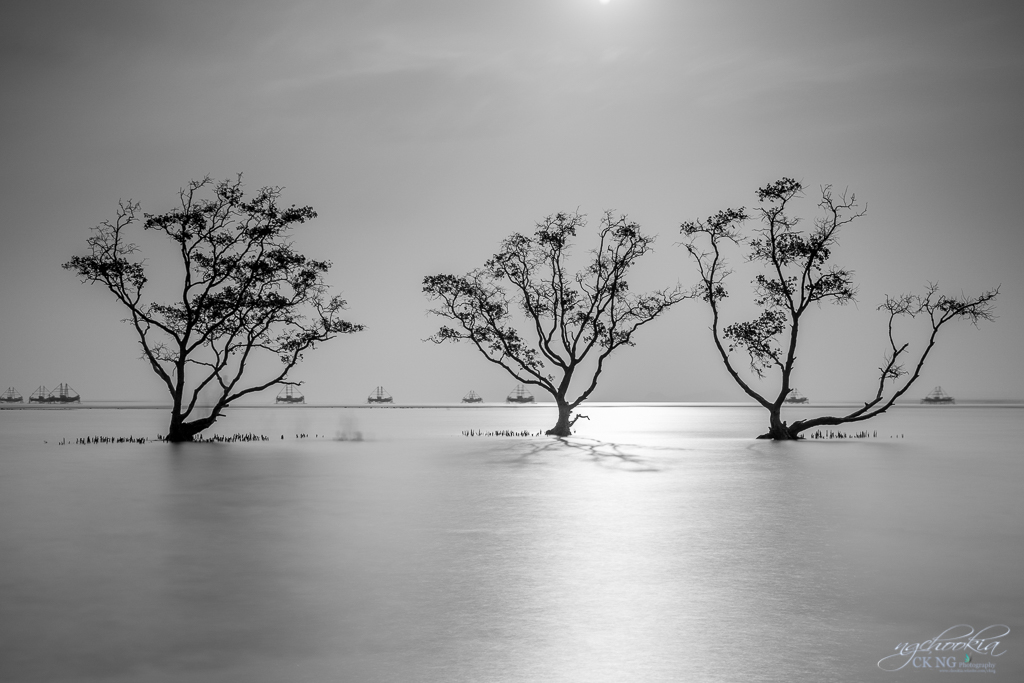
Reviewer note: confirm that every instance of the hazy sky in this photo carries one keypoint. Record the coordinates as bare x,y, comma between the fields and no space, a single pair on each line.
425,131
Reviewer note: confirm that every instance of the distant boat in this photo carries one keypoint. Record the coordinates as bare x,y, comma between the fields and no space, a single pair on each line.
379,396
11,396
289,395
520,395
938,396
472,397
795,397
63,394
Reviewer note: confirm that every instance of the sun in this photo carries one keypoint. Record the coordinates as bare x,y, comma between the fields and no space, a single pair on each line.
605,2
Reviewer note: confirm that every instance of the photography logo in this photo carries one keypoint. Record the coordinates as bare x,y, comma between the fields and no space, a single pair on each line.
942,653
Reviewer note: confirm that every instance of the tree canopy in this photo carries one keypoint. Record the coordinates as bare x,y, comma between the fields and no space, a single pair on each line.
244,291
527,313
796,271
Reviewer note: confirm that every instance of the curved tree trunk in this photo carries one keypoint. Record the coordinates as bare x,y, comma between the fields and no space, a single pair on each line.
564,425
778,429
180,431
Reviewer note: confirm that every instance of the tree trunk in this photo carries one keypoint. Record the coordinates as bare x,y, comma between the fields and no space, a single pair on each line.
778,429
564,425
180,431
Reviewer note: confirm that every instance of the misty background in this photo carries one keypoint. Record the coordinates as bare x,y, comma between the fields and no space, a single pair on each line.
425,132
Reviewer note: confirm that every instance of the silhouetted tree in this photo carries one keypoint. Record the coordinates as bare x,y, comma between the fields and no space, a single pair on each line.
568,315
244,291
796,273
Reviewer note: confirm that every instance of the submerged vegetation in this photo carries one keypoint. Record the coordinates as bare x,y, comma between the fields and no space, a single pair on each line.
528,313
244,292
501,432
796,272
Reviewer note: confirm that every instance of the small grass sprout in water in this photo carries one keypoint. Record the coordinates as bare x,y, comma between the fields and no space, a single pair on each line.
865,434
501,432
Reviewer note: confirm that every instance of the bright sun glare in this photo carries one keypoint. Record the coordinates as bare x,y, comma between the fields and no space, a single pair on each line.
605,2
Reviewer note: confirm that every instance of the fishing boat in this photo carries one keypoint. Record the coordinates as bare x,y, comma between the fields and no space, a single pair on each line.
938,396
11,396
63,394
379,396
472,397
795,397
289,395
39,395
520,395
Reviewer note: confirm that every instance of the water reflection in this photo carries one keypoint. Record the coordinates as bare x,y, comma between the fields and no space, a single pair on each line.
624,457
655,548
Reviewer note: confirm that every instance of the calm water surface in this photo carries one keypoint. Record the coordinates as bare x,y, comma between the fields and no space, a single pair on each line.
661,543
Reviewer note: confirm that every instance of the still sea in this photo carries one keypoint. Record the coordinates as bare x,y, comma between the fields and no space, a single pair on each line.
659,543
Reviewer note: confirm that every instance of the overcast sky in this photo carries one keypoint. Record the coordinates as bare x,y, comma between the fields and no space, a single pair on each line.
425,131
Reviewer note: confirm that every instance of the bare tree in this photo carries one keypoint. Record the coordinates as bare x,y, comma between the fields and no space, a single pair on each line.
244,292
568,315
796,272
